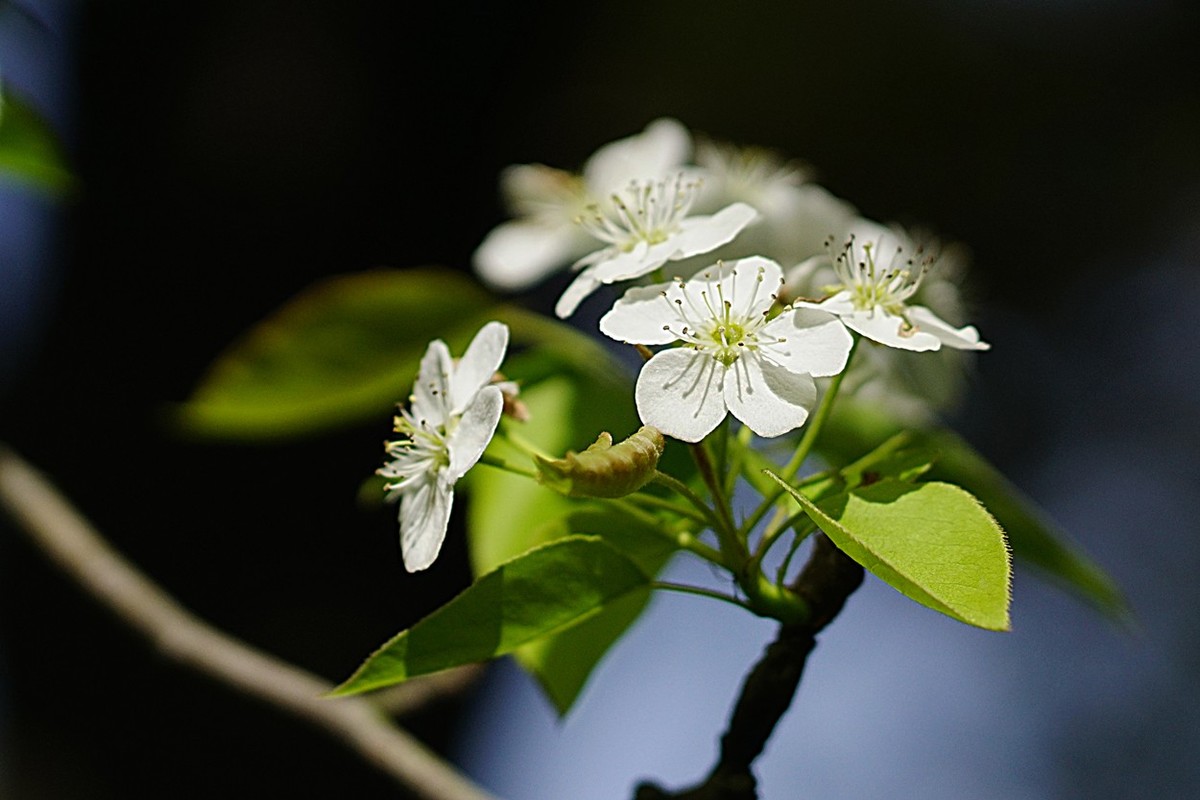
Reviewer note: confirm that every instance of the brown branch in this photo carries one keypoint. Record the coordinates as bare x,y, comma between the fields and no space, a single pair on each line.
827,580
72,543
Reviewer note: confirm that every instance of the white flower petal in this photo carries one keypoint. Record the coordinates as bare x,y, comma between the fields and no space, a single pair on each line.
959,338
749,284
638,317
814,342
649,155
769,400
704,234
475,429
641,260
431,392
424,517
679,392
518,254
583,285
891,330
477,366
548,194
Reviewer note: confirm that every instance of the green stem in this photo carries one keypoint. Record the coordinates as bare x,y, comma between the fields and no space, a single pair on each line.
679,538
654,501
699,590
500,463
814,425
802,450
679,487
732,545
521,443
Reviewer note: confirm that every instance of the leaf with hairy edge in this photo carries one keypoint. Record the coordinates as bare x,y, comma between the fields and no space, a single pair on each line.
542,591
854,428
932,542
347,350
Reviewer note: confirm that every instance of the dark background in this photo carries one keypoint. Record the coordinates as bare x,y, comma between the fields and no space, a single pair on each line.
231,153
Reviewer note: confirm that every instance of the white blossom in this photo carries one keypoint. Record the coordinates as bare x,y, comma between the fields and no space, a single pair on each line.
735,357
548,202
644,227
876,272
452,415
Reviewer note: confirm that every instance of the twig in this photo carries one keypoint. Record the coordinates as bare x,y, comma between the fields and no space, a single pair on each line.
71,541
415,694
826,581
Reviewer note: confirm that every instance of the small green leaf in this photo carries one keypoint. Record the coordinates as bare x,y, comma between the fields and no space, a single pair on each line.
542,591
854,428
29,147
932,542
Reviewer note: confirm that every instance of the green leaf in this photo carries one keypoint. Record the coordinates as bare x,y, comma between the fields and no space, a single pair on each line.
854,428
563,662
29,148
347,350
932,542
508,514
539,592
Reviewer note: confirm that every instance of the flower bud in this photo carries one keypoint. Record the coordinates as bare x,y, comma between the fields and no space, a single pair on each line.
605,469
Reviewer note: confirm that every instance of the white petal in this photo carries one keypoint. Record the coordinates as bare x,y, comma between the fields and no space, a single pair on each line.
815,342
649,155
768,399
477,366
475,429
583,285
749,284
431,392
959,338
839,304
705,234
891,330
518,254
639,316
424,517
536,190
641,260
679,392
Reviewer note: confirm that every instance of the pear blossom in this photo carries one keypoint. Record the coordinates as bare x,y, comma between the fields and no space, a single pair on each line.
876,273
643,228
452,415
548,202
735,357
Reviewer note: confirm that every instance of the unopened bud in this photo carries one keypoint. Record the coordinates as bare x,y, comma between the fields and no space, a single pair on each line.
605,469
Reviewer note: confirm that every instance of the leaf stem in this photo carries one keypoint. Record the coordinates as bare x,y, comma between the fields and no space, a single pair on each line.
507,466
804,447
684,588
680,538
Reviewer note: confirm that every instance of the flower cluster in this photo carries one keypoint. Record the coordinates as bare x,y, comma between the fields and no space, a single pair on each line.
750,279
725,228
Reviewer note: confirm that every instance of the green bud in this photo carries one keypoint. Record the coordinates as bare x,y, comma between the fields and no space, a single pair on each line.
605,469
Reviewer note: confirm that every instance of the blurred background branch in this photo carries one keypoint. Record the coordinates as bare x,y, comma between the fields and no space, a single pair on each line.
79,550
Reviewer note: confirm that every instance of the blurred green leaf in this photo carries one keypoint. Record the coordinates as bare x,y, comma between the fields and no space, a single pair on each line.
932,542
539,592
855,428
29,148
347,349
